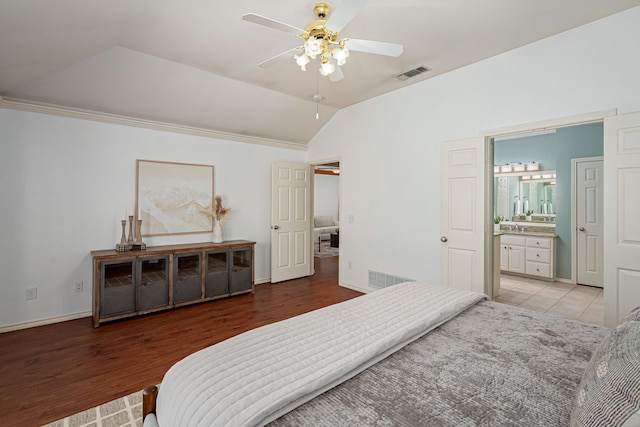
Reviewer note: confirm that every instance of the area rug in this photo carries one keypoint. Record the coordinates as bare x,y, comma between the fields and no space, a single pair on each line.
325,249
123,412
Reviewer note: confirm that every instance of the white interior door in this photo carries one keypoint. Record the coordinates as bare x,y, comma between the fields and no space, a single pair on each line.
621,227
463,187
290,220
589,222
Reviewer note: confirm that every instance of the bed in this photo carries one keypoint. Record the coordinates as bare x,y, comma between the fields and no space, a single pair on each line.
408,355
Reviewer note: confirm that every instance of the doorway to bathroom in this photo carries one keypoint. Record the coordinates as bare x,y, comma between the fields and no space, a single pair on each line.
534,173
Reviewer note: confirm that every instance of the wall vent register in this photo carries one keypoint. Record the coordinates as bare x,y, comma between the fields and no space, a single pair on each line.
379,280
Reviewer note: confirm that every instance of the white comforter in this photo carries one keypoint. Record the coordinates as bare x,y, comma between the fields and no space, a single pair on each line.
253,378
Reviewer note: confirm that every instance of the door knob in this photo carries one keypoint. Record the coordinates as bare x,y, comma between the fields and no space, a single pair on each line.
444,239
581,228
275,227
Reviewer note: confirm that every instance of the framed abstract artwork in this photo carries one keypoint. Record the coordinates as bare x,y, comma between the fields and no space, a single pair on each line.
170,196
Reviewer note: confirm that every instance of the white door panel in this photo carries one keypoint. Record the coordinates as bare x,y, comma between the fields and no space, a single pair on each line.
589,222
462,241
622,228
290,221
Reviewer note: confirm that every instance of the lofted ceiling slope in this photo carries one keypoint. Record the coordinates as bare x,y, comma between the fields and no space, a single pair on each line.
194,62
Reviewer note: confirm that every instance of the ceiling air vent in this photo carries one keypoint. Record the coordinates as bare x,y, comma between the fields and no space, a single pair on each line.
411,73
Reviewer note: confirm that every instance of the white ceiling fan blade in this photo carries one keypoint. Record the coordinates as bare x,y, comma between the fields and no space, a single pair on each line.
379,48
337,75
271,23
339,18
284,56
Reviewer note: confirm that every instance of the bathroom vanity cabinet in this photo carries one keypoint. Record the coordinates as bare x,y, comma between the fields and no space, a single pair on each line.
530,255
512,253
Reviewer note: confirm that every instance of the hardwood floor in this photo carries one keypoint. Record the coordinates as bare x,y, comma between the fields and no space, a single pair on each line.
53,371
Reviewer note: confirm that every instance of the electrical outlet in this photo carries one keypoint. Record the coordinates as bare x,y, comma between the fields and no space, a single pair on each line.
32,293
79,286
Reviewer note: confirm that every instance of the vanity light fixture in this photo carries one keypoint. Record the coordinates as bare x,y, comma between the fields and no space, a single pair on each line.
533,166
519,167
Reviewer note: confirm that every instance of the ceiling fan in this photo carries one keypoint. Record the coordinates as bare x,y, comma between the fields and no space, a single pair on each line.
322,39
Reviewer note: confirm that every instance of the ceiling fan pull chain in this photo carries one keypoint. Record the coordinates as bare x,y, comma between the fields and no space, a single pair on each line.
317,97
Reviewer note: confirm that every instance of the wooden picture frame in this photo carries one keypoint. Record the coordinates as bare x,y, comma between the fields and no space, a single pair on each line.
169,197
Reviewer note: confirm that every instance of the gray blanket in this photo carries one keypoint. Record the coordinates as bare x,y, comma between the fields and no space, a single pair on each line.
493,365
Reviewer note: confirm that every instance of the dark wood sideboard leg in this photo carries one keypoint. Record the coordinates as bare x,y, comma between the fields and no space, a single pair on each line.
149,396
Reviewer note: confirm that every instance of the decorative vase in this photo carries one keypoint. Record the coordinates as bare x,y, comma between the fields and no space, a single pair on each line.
217,233
496,227
528,217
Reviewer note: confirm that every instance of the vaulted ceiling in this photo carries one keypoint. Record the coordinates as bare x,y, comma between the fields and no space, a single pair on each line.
194,62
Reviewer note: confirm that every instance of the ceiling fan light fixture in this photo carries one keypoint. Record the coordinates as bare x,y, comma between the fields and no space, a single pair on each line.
302,61
341,55
327,67
313,47
322,39
318,46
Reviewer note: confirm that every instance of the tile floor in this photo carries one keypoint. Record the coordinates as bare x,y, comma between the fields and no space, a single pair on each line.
576,302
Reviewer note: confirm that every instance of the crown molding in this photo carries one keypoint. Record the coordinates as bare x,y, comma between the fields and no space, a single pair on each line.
56,110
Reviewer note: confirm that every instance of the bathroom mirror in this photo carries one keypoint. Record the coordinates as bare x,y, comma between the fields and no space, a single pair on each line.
536,192
538,196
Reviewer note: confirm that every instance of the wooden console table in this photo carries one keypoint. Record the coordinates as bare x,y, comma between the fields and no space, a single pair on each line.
132,283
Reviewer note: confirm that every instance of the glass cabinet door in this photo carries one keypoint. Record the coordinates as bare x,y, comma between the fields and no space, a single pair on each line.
241,279
117,288
216,274
187,278
152,286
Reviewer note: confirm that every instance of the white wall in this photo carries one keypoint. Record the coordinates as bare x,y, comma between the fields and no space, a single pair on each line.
396,215
326,195
64,184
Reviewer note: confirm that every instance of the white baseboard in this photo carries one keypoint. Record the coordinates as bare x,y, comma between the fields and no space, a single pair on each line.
355,288
42,322
567,281
344,285
51,320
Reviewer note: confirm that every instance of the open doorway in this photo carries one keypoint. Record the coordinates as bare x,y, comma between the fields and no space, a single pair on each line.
545,192
534,202
621,165
326,208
